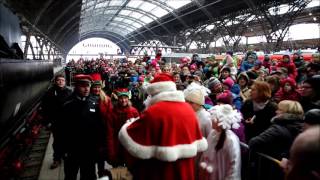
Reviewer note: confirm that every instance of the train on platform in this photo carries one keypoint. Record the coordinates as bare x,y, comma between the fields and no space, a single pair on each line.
22,84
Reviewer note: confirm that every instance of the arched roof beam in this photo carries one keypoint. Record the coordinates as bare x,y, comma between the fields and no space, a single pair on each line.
115,32
169,9
118,11
133,19
65,25
115,24
129,26
64,12
209,4
140,11
204,10
63,35
136,20
126,26
42,10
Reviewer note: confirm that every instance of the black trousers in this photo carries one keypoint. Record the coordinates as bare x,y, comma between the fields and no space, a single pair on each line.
56,145
75,162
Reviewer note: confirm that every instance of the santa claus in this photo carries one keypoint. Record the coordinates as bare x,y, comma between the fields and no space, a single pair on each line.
163,142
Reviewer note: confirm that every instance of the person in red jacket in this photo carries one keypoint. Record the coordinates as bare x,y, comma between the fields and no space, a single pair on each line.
287,91
287,63
164,142
105,107
123,111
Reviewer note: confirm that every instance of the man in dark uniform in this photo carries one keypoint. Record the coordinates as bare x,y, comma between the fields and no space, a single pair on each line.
84,131
51,107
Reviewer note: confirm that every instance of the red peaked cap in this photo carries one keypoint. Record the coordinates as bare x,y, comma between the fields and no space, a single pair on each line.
162,77
82,78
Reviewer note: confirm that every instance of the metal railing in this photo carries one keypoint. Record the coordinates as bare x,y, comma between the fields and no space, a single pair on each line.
258,166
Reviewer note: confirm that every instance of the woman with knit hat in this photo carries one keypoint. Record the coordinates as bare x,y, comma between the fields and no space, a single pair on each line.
222,160
215,86
229,84
195,96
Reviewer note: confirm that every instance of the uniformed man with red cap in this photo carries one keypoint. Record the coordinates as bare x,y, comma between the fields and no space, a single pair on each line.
83,130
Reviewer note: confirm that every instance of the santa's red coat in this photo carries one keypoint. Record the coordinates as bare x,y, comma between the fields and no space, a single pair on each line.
165,140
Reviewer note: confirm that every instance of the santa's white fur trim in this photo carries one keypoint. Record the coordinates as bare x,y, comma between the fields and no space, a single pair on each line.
155,88
173,96
163,153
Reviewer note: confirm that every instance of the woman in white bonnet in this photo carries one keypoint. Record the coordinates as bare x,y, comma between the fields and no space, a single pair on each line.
222,160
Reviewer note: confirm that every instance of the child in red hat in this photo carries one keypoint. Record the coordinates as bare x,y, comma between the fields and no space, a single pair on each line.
287,91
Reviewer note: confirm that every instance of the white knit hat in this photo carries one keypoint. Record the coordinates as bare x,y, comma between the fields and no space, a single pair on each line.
226,116
194,93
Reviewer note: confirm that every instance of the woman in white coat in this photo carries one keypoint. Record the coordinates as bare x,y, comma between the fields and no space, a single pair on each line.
222,160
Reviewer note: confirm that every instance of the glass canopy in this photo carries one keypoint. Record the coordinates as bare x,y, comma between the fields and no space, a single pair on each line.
124,16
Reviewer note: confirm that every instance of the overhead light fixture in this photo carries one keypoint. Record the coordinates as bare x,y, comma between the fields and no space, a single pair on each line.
314,19
310,14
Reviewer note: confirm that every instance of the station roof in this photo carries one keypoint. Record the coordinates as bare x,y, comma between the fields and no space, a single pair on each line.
66,22
124,16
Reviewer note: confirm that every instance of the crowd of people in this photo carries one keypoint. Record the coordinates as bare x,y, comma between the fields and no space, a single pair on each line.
188,119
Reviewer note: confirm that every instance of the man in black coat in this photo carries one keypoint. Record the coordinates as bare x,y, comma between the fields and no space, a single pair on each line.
83,131
51,110
276,142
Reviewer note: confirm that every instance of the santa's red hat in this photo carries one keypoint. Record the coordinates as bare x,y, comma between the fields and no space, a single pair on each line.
161,83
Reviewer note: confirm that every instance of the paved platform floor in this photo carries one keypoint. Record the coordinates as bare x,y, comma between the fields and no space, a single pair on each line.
54,174
50,174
